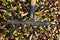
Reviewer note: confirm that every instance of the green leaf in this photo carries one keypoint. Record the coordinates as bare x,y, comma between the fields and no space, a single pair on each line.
0,23
22,38
9,14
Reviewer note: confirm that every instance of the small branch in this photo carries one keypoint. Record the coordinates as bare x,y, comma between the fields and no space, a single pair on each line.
28,22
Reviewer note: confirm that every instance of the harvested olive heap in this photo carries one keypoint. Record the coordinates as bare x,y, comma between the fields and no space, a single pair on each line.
46,11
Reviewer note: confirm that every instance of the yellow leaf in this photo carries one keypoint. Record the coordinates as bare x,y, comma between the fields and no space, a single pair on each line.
19,33
50,35
46,11
56,2
20,27
22,37
15,34
59,30
27,34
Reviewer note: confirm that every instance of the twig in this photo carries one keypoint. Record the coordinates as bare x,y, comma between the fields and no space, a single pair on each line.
28,22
